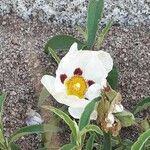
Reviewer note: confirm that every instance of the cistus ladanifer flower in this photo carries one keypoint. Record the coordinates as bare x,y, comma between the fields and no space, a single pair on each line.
80,76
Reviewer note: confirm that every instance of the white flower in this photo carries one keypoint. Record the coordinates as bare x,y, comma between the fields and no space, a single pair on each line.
80,77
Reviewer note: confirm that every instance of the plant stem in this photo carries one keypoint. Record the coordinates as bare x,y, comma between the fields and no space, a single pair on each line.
107,141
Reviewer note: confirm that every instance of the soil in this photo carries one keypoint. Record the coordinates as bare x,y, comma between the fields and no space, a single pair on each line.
23,63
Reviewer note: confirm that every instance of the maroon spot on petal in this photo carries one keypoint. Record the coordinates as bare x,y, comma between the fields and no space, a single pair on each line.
77,71
86,98
63,77
90,82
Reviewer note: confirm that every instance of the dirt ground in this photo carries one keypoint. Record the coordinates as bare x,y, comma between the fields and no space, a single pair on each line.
23,63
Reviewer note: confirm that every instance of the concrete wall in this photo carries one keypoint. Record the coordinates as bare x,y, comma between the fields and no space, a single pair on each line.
70,12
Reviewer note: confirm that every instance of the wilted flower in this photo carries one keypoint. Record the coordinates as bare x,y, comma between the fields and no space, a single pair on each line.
108,106
80,76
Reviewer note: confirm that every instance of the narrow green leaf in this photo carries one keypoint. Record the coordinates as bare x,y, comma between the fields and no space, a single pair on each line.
43,148
2,147
143,104
2,99
103,34
113,78
14,146
70,146
82,32
54,55
90,142
85,117
62,42
125,117
29,130
138,145
72,124
48,148
89,128
107,141
95,11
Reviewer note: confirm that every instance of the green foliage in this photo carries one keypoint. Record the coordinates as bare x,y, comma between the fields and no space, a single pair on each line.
107,141
85,117
143,138
144,123
29,130
70,146
90,142
62,42
113,78
72,124
126,118
14,146
54,55
95,11
103,34
2,99
143,104
90,128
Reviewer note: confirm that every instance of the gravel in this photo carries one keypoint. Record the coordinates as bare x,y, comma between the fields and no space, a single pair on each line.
71,12
23,63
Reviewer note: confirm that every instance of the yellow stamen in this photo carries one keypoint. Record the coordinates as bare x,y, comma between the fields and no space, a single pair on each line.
77,86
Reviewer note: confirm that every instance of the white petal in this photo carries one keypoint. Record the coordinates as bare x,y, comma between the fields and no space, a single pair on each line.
94,69
118,108
73,48
93,91
76,113
110,120
106,60
48,82
87,61
72,101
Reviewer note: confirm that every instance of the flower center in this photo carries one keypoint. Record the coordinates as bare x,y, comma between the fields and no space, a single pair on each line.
77,86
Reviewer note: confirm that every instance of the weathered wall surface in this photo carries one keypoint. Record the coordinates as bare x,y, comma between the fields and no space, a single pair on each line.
70,12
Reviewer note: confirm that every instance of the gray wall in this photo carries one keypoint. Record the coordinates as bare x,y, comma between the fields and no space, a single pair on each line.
70,12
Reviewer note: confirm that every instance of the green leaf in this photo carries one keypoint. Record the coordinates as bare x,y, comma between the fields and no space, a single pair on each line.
48,148
138,145
54,55
107,141
62,42
125,117
14,146
113,78
143,104
2,147
90,142
89,128
85,117
29,130
145,124
70,146
95,11
2,99
103,34
72,124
